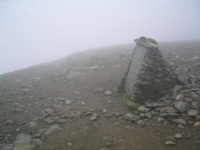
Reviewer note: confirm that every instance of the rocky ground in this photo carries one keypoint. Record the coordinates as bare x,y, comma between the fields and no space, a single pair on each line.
73,104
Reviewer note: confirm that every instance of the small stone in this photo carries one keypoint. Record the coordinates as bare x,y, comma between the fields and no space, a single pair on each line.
160,119
170,143
148,115
181,106
143,109
170,138
62,120
180,97
107,93
180,126
49,120
83,104
93,118
104,110
68,102
192,112
98,90
196,124
32,124
11,122
131,117
69,143
117,114
194,96
108,116
198,117
53,129
179,121
140,123
178,136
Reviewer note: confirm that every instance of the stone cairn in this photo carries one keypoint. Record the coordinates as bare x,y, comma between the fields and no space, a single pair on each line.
156,87
149,75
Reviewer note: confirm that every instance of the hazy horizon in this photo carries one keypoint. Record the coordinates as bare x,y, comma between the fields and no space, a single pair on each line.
34,32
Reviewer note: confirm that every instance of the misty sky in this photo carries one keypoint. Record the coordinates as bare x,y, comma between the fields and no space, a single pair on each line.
37,31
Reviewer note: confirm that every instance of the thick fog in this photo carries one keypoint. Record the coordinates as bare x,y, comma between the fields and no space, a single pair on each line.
37,31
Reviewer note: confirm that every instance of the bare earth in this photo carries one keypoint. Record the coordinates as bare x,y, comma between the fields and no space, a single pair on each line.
25,94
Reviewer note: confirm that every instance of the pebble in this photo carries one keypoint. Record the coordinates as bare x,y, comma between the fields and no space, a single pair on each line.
62,120
140,123
83,104
170,143
180,126
178,136
107,93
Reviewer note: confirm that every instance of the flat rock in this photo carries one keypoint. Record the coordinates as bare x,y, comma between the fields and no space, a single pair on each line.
179,121
165,115
149,105
116,114
107,93
53,129
62,120
132,117
170,143
192,112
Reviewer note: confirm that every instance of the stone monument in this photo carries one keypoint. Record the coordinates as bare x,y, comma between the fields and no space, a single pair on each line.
149,76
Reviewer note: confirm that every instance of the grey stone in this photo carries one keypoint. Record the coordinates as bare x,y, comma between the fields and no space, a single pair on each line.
181,106
160,119
32,124
149,105
171,138
148,115
136,64
178,136
116,114
194,96
25,142
170,143
68,102
49,111
183,77
184,91
188,99
198,117
143,109
192,112
176,89
107,93
165,115
132,117
180,126
179,121
140,123
62,120
53,129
